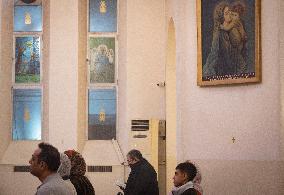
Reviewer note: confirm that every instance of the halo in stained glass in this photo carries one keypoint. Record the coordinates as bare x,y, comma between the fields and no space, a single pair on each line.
26,114
28,18
103,15
102,114
27,59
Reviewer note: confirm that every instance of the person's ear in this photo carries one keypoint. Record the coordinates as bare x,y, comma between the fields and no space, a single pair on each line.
42,164
185,176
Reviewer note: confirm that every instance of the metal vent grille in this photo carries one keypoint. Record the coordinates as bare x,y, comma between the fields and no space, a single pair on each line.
21,168
99,168
139,125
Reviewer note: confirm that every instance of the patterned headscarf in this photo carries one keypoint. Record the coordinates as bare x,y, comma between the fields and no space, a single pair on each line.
81,183
78,164
65,166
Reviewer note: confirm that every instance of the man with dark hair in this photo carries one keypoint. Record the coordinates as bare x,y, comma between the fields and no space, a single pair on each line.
142,179
184,174
44,164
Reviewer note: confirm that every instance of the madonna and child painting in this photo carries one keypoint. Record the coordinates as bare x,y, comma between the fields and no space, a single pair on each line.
228,42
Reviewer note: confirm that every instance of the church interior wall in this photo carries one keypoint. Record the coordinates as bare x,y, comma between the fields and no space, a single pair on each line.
209,117
5,81
281,62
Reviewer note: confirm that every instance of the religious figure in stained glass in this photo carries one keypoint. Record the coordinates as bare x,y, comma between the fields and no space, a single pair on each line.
103,16
102,59
27,59
102,114
26,114
28,18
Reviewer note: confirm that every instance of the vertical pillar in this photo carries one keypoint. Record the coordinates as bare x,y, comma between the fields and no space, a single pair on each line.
63,74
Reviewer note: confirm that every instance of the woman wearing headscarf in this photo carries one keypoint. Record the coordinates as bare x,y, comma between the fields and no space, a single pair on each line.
64,171
77,174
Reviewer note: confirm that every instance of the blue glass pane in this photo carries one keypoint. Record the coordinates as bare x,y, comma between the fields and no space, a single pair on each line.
103,16
102,59
26,114
27,59
28,18
102,114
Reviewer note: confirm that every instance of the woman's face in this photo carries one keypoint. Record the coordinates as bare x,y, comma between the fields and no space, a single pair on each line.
227,15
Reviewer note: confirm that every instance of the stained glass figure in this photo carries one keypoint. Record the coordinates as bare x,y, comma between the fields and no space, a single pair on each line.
103,16
27,114
102,59
27,59
28,18
102,114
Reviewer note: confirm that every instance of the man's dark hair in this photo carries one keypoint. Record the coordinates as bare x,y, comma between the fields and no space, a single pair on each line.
50,155
135,154
188,168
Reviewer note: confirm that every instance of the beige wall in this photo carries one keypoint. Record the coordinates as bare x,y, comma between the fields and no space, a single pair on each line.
281,63
5,73
145,58
209,117
63,74
82,75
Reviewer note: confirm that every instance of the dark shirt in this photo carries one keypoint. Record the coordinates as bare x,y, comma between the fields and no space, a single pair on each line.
142,179
82,185
190,191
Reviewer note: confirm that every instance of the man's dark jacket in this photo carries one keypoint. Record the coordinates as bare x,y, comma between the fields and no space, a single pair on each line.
142,179
190,191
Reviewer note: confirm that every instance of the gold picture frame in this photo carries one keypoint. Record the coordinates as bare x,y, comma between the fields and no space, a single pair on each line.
229,42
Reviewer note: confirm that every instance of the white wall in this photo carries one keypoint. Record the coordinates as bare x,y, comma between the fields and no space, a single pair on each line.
209,117
145,58
141,63
63,74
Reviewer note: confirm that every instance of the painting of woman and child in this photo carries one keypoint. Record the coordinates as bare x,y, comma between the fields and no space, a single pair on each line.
228,42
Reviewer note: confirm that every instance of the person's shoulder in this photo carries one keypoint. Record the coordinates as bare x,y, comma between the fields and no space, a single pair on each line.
190,191
146,165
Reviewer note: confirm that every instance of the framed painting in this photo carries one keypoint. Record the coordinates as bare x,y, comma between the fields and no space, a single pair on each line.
103,16
28,18
27,66
102,114
229,45
102,59
27,114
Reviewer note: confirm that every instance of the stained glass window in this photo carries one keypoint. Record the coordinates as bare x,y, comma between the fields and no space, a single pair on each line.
28,18
102,59
27,89
103,16
27,59
27,114
102,114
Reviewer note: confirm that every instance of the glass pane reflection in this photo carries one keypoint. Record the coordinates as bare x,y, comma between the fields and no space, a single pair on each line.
102,114
27,114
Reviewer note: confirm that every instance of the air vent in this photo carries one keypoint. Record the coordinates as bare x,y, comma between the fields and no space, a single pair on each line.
21,168
139,125
99,168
